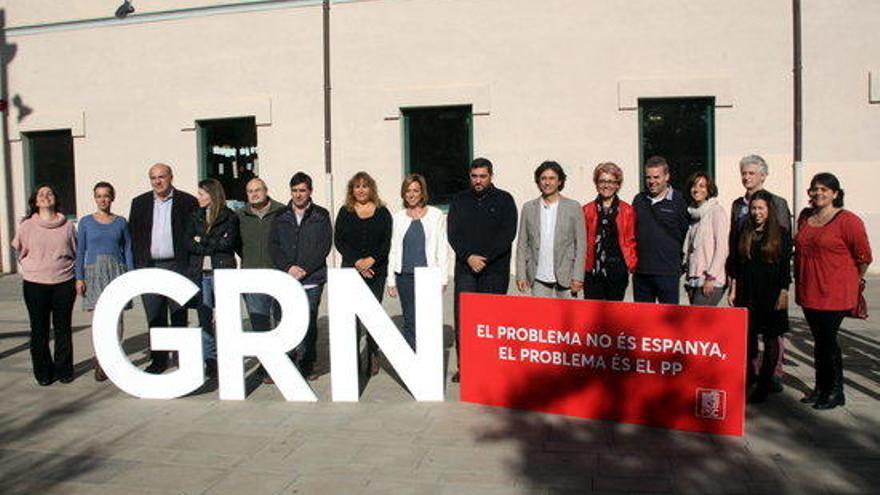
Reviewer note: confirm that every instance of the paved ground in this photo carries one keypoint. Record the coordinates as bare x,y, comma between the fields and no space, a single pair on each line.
86,438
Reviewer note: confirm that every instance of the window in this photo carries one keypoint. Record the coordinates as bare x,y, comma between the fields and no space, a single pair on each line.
228,153
680,130
48,158
438,143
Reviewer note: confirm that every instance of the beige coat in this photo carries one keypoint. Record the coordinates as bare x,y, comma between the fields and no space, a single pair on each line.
569,242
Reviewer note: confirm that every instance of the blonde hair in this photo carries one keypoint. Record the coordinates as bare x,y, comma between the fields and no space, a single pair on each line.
608,168
407,181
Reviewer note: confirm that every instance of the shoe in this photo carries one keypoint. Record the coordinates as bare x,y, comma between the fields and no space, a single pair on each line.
268,380
44,382
759,394
100,376
811,397
776,385
456,377
830,401
66,379
313,376
374,365
156,368
211,368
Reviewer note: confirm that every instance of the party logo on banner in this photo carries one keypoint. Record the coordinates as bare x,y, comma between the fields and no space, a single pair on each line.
680,367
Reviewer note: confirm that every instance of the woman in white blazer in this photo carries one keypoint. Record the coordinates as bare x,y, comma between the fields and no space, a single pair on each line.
418,238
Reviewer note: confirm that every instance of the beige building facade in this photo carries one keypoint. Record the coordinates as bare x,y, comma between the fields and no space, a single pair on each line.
568,80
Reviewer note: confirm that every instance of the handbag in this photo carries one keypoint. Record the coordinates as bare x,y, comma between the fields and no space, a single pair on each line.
861,309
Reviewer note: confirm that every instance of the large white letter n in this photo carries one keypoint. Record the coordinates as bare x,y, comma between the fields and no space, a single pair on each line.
350,298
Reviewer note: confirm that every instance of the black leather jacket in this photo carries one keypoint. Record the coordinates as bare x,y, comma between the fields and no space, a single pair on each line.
219,243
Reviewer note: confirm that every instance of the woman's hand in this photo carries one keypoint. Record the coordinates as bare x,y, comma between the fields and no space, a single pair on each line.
392,291
782,300
522,285
364,263
708,288
81,287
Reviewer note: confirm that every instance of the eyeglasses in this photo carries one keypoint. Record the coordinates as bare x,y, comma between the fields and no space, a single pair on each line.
603,182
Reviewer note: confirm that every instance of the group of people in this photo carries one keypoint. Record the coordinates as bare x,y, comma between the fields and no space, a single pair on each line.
562,249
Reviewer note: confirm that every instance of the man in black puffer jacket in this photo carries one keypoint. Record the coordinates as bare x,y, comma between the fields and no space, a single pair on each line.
299,242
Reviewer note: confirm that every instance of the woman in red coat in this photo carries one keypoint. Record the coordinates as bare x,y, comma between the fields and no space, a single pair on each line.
831,256
611,237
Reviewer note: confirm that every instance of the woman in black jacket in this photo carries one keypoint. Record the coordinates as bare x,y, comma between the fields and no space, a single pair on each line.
213,233
363,238
760,282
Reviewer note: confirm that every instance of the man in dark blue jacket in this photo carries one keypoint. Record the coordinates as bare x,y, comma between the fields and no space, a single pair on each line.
299,242
481,227
661,225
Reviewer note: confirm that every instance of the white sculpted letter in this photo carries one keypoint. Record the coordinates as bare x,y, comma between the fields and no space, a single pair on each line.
421,371
187,341
233,344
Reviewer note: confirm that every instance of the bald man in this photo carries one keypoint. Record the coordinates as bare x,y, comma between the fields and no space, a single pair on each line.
255,221
157,221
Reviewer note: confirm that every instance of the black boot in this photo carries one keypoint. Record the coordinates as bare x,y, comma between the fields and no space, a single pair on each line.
835,397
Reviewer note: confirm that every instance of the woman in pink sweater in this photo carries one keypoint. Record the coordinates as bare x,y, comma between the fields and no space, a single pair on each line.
46,248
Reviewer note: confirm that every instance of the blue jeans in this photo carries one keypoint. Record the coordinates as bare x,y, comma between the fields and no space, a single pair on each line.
262,309
655,288
306,353
206,317
406,289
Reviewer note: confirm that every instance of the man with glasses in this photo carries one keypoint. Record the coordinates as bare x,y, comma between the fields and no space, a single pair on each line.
481,228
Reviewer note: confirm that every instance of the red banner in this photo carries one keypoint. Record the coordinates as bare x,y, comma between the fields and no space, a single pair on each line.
680,367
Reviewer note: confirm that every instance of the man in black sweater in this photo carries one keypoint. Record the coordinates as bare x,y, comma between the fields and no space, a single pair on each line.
299,243
661,225
481,227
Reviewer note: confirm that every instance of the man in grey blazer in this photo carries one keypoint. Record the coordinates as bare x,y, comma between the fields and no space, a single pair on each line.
551,249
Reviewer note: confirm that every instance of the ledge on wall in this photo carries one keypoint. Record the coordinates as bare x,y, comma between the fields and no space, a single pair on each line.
221,108
630,90
476,95
874,86
75,120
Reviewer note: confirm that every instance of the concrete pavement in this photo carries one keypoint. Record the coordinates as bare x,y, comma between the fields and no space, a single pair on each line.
87,437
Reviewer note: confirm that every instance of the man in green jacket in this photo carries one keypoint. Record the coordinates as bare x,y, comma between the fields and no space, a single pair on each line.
255,219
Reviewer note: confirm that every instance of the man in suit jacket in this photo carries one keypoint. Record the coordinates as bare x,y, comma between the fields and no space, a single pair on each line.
157,221
551,248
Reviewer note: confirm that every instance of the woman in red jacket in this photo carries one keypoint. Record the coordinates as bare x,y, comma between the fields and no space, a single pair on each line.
831,256
611,237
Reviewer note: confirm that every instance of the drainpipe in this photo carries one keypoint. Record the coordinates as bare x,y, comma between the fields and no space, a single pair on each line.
7,220
797,165
328,139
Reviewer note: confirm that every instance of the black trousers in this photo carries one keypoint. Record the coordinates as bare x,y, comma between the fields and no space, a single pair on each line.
824,326
609,288
377,287
51,303
468,281
161,311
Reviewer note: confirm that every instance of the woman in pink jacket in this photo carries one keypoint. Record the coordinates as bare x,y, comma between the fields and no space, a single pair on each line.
705,246
45,245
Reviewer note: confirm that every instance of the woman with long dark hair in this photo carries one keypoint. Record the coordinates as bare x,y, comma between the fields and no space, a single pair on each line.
45,245
363,238
103,252
759,282
832,255
213,231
